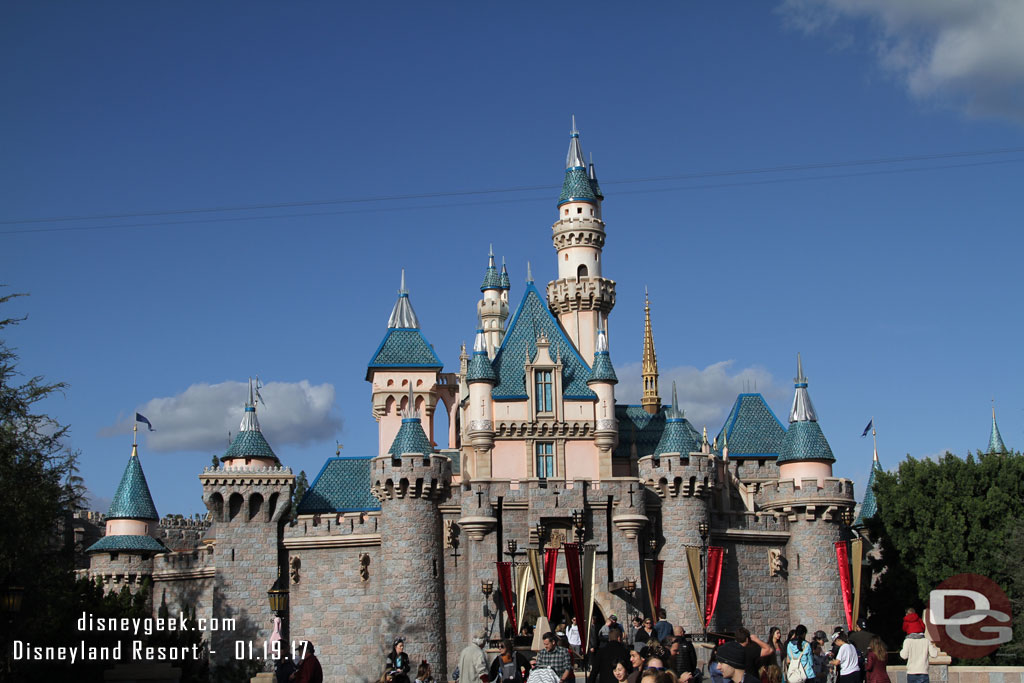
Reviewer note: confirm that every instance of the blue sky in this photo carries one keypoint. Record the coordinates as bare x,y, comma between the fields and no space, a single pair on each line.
896,280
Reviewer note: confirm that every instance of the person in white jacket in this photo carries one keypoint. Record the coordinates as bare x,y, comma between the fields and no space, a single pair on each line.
917,650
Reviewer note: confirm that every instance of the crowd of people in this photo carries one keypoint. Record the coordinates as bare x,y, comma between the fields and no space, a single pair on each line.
655,651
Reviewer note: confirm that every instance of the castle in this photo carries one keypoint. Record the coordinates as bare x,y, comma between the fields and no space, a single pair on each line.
404,542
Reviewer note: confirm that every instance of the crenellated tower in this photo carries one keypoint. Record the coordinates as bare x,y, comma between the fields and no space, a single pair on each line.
248,497
493,307
581,298
814,503
680,476
650,400
410,480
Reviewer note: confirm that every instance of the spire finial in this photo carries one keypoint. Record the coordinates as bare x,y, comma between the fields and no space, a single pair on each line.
529,274
650,401
799,379
402,315
803,409
410,408
574,131
401,287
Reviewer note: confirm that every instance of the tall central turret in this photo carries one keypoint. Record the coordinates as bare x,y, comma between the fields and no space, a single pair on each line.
580,297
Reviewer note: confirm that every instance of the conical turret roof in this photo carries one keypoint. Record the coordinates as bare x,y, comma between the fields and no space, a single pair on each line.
576,186
679,435
868,506
249,442
404,345
480,369
132,499
602,370
804,438
995,439
492,280
410,438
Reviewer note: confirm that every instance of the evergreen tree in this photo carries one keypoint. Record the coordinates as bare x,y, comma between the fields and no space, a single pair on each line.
937,518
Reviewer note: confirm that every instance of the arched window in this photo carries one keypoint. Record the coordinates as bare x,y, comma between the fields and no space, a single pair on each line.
581,272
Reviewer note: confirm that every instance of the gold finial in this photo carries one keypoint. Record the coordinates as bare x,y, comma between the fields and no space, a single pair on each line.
651,401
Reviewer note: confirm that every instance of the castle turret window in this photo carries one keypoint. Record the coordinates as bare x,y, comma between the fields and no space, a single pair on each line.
543,394
545,460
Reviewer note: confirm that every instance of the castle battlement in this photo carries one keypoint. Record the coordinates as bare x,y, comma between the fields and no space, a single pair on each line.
249,475
830,498
413,475
333,524
749,521
671,475
587,293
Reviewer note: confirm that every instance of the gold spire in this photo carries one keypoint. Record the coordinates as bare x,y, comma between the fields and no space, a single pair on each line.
650,402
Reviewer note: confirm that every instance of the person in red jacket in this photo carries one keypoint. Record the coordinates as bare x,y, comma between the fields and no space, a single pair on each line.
875,664
309,670
912,623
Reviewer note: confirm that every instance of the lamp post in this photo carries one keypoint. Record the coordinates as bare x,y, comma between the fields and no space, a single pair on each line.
10,604
487,587
579,522
705,531
539,526
277,596
513,546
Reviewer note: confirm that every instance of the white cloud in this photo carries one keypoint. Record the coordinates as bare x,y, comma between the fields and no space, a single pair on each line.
705,395
966,53
199,418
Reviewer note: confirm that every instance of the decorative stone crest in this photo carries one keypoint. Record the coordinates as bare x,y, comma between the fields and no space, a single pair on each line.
364,566
776,561
294,565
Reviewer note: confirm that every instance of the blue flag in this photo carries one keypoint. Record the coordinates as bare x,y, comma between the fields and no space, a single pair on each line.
868,428
139,417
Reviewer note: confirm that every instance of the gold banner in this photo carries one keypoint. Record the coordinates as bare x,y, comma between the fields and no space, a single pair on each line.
533,558
856,559
522,580
693,565
649,570
589,562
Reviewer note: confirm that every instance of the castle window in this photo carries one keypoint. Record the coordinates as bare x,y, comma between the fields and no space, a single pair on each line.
545,460
543,394
579,209
581,272
567,212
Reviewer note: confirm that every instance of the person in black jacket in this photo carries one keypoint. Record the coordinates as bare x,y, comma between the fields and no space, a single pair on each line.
608,656
398,660
509,665
682,656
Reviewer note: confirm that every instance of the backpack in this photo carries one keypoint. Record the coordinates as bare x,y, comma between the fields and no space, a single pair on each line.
795,669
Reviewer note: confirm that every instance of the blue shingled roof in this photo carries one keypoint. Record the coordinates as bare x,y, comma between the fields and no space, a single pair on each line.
678,436
480,369
117,543
249,444
520,343
804,441
343,485
132,499
410,439
995,439
752,428
576,187
505,282
492,280
638,428
868,506
404,347
602,371
596,189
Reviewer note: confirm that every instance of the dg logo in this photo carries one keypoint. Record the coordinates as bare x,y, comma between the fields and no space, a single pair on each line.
969,616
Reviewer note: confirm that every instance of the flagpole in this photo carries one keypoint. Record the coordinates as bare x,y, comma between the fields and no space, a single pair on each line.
135,434
874,437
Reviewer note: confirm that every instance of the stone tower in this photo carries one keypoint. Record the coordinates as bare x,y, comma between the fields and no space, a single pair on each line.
124,556
580,297
814,503
650,400
602,382
411,481
493,307
680,476
248,497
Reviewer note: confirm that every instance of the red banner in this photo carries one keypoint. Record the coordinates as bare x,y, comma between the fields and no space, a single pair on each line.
550,567
505,585
659,569
714,581
845,584
575,571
